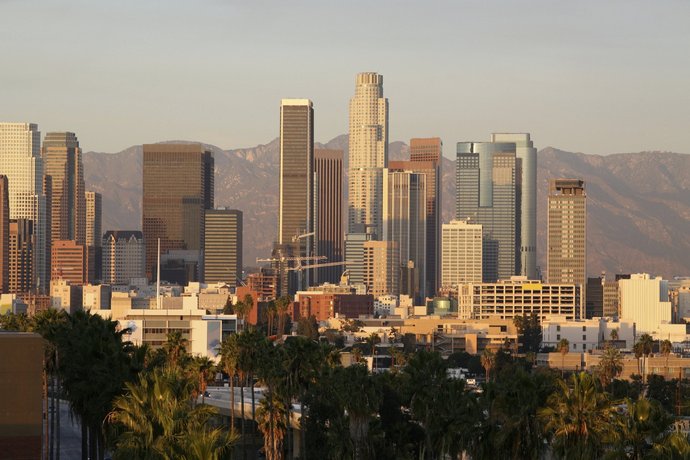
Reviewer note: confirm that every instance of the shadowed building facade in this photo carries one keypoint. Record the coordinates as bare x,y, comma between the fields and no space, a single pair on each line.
328,165
4,236
223,246
177,190
488,193
426,157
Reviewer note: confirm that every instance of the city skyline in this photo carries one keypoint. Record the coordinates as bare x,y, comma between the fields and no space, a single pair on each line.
545,59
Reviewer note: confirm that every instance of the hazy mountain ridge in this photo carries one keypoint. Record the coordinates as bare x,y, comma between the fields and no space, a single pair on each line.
638,203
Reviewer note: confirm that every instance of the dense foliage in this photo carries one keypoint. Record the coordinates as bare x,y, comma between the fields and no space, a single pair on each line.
149,404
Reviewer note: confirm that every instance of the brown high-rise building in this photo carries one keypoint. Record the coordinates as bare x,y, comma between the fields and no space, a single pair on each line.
566,260
426,158
62,162
72,262
178,188
22,243
296,205
328,165
4,235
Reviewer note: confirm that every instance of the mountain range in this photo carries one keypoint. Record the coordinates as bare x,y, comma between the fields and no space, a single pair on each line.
638,203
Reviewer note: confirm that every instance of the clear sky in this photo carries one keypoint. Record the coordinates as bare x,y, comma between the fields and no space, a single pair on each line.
591,76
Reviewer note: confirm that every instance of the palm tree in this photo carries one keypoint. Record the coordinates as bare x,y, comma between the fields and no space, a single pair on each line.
488,360
610,365
270,417
202,370
665,348
271,312
646,346
360,399
281,307
229,353
642,423
563,347
155,420
578,418
175,348
614,334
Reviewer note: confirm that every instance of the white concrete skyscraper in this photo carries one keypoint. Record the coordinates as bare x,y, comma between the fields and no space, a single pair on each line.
368,154
20,161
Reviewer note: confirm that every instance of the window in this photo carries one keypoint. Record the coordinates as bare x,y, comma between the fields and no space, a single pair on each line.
584,328
584,337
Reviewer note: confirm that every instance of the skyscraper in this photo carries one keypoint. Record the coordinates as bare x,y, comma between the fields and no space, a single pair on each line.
178,188
4,236
94,216
22,275
223,246
381,268
527,154
488,193
94,233
20,161
72,262
426,156
328,202
296,205
62,162
566,260
461,254
368,154
404,221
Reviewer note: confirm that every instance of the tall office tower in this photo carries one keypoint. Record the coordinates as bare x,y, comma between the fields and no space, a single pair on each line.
4,236
426,156
178,188
461,253
354,256
381,268
566,259
404,221
94,219
72,262
368,154
22,275
223,246
527,154
62,162
124,253
20,161
296,170
328,202
488,193
94,234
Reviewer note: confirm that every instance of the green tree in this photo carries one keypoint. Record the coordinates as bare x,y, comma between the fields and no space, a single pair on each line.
665,348
529,333
610,365
308,327
645,347
270,418
577,418
563,348
175,349
488,360
229,356
640,425
155,419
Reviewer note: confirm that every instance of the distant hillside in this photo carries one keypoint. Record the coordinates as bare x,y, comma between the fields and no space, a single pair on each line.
638,203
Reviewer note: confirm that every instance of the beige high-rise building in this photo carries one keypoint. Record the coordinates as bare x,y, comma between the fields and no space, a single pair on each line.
461,253
381,268
368,154
566,259
94,216
62,162
21,162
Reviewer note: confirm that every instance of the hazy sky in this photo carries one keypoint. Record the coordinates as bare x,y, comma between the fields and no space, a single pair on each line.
591,76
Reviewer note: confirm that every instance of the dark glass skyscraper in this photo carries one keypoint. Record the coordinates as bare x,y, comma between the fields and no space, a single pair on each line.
489,193
223,246
328,199
178,189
